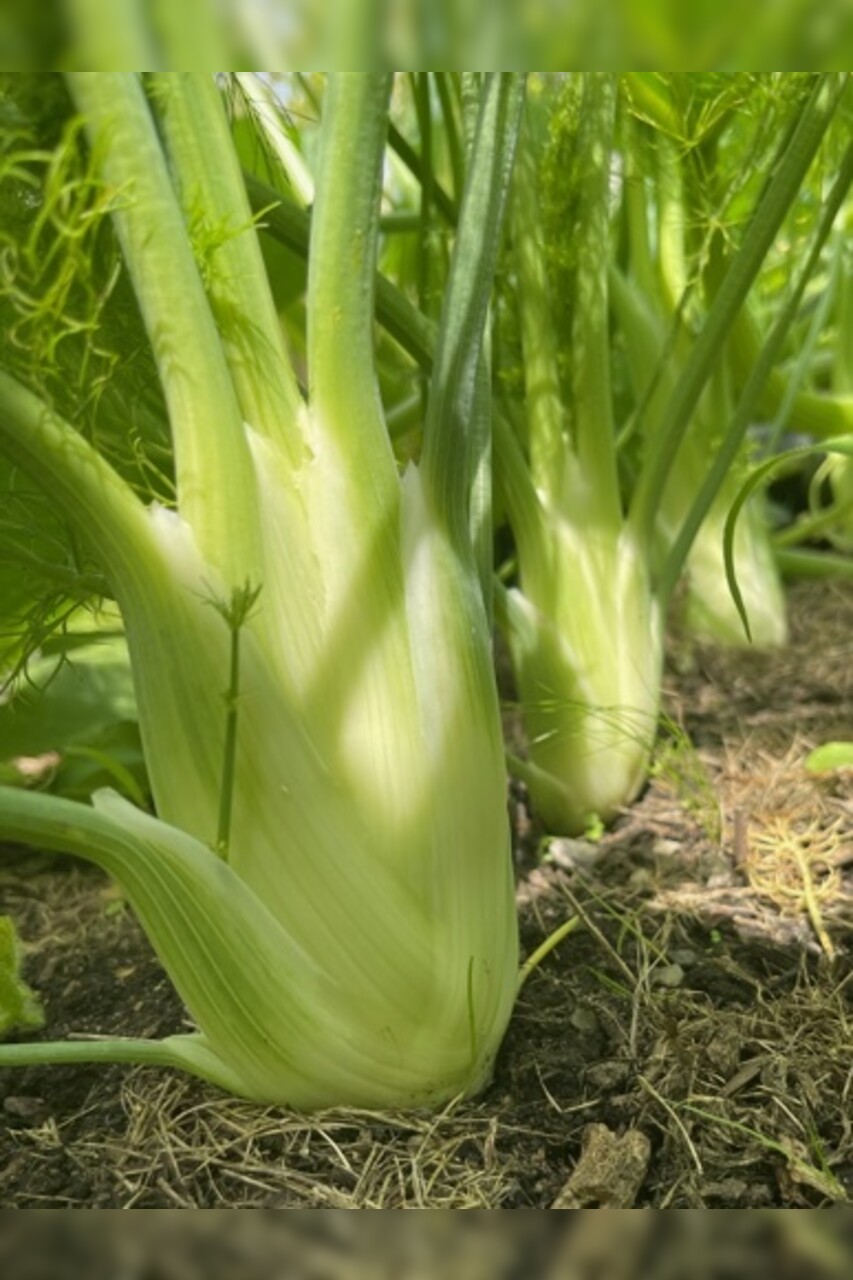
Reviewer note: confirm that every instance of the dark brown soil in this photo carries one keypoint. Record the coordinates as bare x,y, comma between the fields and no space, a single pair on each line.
689,1044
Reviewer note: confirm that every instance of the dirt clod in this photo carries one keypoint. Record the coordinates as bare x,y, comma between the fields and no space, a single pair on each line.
610,1171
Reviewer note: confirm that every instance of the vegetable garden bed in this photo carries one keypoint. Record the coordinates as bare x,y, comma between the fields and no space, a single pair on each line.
692,1035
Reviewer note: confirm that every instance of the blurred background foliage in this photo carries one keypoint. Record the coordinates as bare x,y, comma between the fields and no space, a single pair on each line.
465,34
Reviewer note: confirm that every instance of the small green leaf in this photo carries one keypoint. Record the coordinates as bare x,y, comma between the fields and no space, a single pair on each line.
19,1006
594,828
829,756
62,701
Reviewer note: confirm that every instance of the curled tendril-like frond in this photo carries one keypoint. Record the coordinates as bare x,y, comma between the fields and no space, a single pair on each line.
73,334
57,269
73,331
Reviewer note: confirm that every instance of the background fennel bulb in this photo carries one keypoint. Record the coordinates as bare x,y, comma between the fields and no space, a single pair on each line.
588,505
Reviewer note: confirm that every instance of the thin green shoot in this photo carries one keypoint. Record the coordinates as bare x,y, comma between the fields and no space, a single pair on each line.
235,614
545,948
410,158
796,563
842,445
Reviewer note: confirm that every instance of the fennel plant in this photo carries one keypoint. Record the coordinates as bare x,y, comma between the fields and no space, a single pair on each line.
327,880
585,619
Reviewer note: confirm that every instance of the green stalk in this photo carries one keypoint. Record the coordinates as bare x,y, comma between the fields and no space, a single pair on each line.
343,393
213,196
481,523
820,414
516,493
636,209
412,161
592,402
842,372
455,433
751,393
423,109
469,91
649,352
291,227
545,411
812,526
545,948
796,563
451,130
235,614
150,1053
214,480
671,225
226,793
352,490
760,234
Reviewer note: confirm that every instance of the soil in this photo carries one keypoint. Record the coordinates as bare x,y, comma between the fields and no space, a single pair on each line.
687,1044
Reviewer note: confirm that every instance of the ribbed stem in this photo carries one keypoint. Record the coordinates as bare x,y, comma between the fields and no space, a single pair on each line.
592,404
214,479
545,410
212,193
343,392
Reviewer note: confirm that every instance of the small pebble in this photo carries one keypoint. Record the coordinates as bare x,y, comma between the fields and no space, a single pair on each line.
569,854
668,975
584,1020
608,1075
731,1191
24,1108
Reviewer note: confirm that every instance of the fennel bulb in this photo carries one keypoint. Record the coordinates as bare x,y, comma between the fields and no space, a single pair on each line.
587,646
328,878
